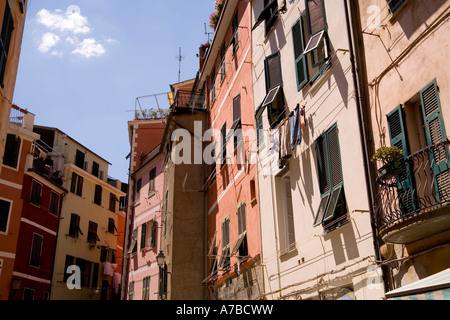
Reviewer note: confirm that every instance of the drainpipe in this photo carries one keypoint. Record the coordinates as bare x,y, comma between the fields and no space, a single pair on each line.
362,123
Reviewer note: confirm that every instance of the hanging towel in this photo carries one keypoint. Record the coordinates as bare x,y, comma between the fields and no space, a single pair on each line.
116,282
108,270
285,139
275,143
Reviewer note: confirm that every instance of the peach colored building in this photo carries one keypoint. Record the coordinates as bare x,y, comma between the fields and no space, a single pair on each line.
19,140
12,19
233,233
404,46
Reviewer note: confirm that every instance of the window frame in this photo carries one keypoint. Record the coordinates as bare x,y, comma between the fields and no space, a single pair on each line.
12,161
36,193
74,226
152,182
301,57
225,260
76,186
51,207
98,194
279,97
93,233
35,257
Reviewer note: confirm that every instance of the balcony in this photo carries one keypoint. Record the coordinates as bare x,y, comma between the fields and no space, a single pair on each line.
46,162
414,202
188,99
21,117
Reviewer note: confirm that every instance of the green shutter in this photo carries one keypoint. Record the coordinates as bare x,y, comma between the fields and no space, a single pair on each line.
435,132
301,65
404,180
143,235
153,233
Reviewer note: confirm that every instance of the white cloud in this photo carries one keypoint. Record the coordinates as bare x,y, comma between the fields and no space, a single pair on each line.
58,54
48,41
68,21
89,48
112,41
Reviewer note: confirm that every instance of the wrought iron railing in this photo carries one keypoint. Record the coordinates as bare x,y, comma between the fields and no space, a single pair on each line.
188,99
421,183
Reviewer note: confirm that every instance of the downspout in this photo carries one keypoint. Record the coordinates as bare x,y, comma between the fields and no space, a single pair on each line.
362,124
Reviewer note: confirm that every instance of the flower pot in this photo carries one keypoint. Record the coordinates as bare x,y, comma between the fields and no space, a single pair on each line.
390,170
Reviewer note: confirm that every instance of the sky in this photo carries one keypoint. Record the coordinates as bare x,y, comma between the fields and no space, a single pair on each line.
84,63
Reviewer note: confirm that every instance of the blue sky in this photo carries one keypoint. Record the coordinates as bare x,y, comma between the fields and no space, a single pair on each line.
84,63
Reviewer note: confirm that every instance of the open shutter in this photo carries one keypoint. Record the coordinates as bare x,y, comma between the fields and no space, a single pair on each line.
435,132
301,66
398,136
315,11
324,178
143,235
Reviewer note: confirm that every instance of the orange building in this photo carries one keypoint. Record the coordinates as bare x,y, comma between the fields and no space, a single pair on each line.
12,21
234,241
19,139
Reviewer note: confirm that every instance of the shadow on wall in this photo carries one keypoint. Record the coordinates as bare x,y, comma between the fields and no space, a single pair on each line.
343,242
416,13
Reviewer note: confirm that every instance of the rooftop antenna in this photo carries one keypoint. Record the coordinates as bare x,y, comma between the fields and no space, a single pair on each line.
180,58
207,33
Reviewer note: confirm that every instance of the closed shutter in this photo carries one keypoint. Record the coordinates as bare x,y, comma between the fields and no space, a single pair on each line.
435,132
316,16
404,180
143,235
301,65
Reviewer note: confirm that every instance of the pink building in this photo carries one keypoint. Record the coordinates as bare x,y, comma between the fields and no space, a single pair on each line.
143,223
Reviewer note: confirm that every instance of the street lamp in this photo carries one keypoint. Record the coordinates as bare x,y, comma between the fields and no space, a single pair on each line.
160,259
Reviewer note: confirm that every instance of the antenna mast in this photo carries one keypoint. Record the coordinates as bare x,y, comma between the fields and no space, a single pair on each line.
180,58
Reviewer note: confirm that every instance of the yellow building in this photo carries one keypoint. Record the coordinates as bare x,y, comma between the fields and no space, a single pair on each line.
86,255
12,21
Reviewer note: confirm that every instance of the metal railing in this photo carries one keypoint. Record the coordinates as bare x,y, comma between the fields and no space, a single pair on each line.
188,99
17,115
43,163
420,184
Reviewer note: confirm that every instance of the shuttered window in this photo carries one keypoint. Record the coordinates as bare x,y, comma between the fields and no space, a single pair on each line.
36,251
151,183
332,206
143,236
435,133
394,5
224,144
36,193
74,229
315,10
404,180
235,30
225,259
241,245
274,89
269,15
5,41
301,63
92,234
79,159
12,151
98,195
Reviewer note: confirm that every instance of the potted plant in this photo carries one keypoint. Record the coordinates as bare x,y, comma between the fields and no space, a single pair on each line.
392,162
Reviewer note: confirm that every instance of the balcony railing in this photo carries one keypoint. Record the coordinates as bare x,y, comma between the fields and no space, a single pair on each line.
414,202
43,164
188,99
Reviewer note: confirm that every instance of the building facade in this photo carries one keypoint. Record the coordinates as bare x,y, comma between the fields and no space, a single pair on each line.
233,233
407,103
42,196
86,253
316,225
12,15
19,141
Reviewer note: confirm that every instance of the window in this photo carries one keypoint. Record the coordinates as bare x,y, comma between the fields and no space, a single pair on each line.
12,151
395,5
86,269
296,127
151,236
36,250
28,294
222,63
95,169
133,246
98,195
92,234
36,193
74,229
5,41
112,226
146,288
138,192
163,282
332,209
213,85
76,186
131,290
143,236
241,246
95,276
151,183
274,99
79,159
70,261
269,15
417,125
225,259
54,203
237,124
112,202
301,62
235,31
286,214
224,144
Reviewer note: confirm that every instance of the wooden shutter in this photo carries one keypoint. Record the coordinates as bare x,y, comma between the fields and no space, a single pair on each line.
143,235
153,233
435,132
404,180
273,71
315,11
301,65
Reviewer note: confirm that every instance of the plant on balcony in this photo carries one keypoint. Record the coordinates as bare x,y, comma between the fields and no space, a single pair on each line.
392,161
214,17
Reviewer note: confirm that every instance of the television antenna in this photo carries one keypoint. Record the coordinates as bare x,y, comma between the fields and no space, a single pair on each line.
208,33
180,58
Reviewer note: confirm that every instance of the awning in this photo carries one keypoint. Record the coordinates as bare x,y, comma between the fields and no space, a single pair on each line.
435,287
